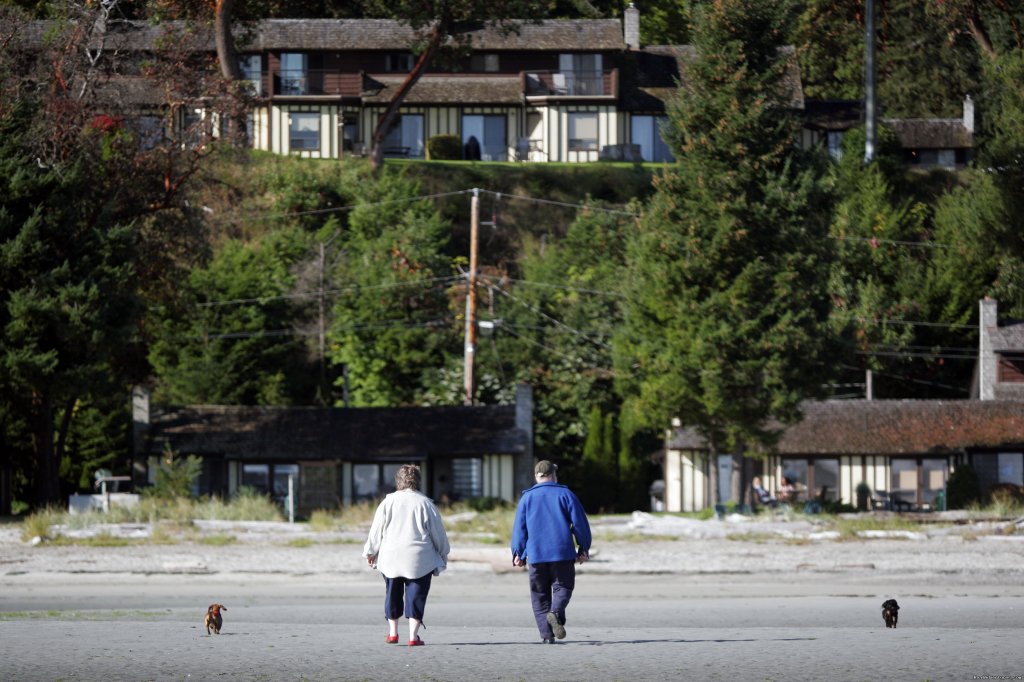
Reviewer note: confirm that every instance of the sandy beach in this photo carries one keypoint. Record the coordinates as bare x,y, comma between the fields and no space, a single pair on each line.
664,598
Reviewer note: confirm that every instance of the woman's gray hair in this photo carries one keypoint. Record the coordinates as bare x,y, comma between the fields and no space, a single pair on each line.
407,477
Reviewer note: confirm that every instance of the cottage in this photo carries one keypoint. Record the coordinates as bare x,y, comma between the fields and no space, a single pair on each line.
904,450
341,455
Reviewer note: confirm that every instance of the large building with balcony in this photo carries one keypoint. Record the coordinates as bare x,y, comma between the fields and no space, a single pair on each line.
551,91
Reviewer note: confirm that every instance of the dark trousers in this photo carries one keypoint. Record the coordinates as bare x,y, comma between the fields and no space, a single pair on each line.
406,596
551,586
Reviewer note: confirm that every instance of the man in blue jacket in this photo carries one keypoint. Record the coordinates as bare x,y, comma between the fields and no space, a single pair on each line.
548,519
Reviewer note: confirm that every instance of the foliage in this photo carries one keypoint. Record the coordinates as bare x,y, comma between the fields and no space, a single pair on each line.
230,339
915,49
444,147
392,319
175,476
724,324
962,487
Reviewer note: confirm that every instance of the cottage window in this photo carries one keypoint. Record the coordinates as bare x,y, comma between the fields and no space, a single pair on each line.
467,478
834,141
1011,368
293,73
398,62
646,131
304,131
372,481
816,479
251,66
484,62
1011,468
583,73
582,132
406,137
484,138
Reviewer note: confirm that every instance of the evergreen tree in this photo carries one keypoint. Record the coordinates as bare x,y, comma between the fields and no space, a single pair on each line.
726,318
232,339
393,323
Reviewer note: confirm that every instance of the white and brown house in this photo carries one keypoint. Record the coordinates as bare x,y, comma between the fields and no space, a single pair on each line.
904,450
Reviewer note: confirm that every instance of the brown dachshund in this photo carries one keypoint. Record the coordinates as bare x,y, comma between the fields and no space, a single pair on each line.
890,612
213,618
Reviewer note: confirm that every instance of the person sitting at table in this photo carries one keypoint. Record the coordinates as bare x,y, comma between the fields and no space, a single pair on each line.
787,491
761,494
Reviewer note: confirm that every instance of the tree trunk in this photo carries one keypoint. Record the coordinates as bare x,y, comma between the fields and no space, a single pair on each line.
390,115
229,68
45,484
225,44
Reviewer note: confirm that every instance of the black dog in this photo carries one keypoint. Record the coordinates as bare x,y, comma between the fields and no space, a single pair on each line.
890,612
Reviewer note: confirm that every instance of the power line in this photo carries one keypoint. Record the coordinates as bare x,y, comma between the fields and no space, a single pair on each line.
331,292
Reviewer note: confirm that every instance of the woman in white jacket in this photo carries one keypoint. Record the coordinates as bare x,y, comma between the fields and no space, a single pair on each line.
408,545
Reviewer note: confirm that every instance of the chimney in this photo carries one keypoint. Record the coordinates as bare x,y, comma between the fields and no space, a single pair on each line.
969,114
631,27
987,319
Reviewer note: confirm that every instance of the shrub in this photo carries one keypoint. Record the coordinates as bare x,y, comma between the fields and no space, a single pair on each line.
962,488
444,148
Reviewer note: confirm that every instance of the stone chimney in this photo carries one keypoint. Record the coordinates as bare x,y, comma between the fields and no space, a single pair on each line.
969,114
631,27
987,319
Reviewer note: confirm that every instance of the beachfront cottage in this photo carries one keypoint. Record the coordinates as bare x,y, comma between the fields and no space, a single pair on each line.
339,455
903,450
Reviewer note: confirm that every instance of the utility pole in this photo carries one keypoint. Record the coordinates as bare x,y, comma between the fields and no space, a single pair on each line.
869,82
470,342
322,333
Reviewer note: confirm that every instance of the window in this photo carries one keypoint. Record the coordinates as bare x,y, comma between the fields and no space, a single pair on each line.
467,478
256,476
903,482
646,132
304,131
271,479
1011,468
934,475
406,137
483,138
814,479
398,62
484,62
150,130
583,73
372,481
251,66
834,141
293,73
582,132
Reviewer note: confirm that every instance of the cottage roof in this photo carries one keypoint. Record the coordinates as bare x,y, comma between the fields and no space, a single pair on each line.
356,34
451,89
931,133
892,427
1007,338
312,433
833,115
387,34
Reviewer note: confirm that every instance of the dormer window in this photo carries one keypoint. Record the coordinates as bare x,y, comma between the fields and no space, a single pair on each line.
398,62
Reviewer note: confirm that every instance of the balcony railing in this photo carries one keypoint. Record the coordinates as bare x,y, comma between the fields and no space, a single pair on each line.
313,82
569,83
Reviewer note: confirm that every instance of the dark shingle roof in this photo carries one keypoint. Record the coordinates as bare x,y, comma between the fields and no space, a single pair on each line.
452,90
893,427
336,433
386,34
931,133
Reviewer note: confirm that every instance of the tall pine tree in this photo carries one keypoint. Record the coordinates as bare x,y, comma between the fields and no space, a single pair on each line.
726,316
